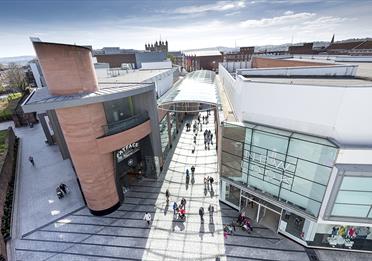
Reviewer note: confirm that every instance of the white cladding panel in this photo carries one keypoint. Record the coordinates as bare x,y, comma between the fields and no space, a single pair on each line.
341,113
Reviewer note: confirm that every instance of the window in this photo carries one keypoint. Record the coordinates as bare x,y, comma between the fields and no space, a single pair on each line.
354,198
290,167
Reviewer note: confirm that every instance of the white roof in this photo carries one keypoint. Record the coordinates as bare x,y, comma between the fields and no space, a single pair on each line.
197,86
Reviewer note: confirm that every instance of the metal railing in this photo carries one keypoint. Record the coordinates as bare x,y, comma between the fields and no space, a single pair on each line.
123,125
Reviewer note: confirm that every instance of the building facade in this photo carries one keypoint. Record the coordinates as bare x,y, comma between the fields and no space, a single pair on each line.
160,46
109,130
295,161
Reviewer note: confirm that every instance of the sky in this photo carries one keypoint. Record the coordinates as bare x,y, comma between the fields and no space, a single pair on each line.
186,24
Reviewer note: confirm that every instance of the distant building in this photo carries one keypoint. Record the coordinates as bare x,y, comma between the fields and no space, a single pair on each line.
176,57
305,48
160,46
117,57
202,60
357,47
244,54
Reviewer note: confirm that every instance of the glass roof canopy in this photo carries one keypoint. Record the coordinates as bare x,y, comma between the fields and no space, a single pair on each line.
196,87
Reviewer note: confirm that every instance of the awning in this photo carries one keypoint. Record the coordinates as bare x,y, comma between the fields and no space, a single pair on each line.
196,87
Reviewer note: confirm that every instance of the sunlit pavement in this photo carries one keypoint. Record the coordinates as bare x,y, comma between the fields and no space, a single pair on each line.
192,239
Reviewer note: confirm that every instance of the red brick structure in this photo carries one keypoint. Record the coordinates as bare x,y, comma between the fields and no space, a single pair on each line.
306,48
258,62
115,60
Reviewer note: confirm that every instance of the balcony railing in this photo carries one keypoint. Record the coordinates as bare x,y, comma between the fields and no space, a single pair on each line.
123,125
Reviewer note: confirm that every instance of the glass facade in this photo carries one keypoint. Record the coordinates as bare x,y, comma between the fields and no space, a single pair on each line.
287,166
164,138
354,198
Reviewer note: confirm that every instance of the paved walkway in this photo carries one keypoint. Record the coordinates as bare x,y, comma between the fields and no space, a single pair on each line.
193,239
37,202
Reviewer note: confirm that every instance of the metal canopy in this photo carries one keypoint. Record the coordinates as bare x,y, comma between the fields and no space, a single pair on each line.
196,87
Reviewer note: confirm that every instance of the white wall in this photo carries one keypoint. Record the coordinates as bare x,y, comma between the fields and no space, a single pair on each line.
339,112
156,65
334,70
233,66
37,76
163,81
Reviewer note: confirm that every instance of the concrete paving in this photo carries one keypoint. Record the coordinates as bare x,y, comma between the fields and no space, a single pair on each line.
37,201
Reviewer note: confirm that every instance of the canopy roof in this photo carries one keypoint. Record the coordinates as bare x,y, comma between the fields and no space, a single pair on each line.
196,87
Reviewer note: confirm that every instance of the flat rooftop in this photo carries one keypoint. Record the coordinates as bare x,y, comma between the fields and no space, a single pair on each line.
41,100
319,81
127,76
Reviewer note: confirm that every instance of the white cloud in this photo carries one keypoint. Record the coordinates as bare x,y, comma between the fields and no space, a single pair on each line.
290,18
218,7
288,12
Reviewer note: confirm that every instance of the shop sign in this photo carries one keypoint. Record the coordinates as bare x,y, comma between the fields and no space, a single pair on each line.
127,151
274,163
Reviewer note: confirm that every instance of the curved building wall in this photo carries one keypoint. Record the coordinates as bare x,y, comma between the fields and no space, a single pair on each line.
67,69
81,126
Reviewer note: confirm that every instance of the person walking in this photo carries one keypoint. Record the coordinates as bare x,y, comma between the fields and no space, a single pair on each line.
211,211
192,169
187,172
174,208
211,181
31,160
167,195
211,138
201,214
183,203
147,218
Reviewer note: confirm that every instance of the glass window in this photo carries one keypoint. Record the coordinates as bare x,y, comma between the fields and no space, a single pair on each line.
299,177
357,183
312,152
350,210
313,171
232,194
354,199
270,141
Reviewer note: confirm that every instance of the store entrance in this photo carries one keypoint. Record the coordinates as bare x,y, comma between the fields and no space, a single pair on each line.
260,211
133,162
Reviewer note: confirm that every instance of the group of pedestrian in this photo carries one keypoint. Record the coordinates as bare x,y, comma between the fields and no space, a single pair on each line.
179,211
208,139
244,222
210,210
208,180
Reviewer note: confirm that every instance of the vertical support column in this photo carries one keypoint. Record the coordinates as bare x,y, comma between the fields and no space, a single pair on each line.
58,135
169,131
46,130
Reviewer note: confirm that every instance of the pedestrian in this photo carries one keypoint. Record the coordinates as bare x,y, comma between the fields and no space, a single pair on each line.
187,172
205,182
211,209
63,187
195,139
211,181
211,138
201,213
31,159
192,169
183,203
147,218
205,144
208,182
174,207
167,195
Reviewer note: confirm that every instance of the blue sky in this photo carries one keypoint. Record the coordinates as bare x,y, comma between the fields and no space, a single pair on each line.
185,24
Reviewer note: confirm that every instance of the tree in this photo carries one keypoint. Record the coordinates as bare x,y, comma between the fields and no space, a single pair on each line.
16,78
